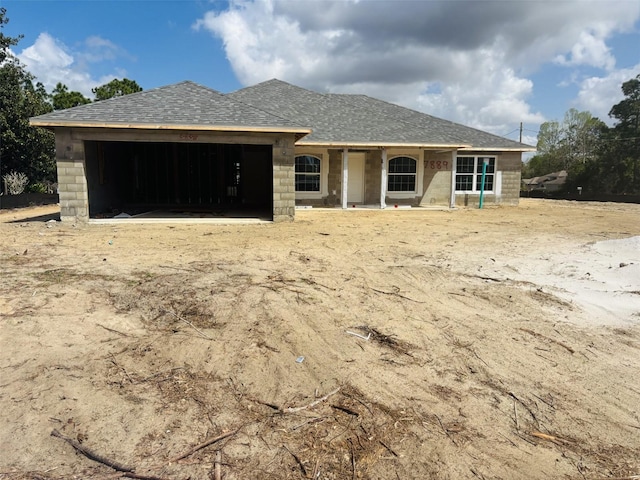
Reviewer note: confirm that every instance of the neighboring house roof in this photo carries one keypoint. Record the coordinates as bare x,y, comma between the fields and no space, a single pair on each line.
550,181
338,120
184,105
352,120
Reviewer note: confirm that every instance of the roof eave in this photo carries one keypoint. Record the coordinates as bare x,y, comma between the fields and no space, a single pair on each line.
499,149
381,145
160,126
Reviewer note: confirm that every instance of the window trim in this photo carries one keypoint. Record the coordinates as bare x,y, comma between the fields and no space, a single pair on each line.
418,176
475,187
302,195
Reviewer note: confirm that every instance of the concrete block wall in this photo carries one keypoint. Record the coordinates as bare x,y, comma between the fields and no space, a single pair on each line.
72,181
284,193
334,181
437,179
511,166
372,172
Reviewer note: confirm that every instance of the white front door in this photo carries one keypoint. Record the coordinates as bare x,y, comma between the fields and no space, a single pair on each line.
355,185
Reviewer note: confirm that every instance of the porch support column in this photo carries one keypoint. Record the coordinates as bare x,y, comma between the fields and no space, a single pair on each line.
345,176
383,179
452,201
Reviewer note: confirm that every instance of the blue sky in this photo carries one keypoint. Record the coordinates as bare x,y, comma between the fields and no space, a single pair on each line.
490,64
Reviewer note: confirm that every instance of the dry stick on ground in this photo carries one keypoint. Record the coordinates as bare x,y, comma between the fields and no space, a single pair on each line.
316,471
140,477
533,415
313,420
353,460
551,438
298,461
630,477
113,359
388,448
312,404
544,401
217,469
446,431
508,440
131,475
202,334
114,331
346,410
396,294
87,452
211,441
539,335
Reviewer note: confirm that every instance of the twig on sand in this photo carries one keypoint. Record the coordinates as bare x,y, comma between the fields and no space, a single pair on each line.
395,294
312,404
544,401
202,334
550,438
533,415
557,342
211,441
388,448
298,461
446,431
217,468
630,477
140,477
113,331
113,360
358,335
87,452
353,461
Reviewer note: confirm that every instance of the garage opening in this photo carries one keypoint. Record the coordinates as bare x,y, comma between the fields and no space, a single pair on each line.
179,179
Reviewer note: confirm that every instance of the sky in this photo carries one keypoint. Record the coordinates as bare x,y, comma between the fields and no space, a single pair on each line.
489,64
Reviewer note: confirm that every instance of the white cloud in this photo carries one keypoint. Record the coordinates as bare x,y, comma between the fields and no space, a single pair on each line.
51,61
463,60
590,50
599,94
492,100
46,51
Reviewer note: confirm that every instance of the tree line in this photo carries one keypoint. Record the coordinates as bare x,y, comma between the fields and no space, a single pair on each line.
26,150
598,158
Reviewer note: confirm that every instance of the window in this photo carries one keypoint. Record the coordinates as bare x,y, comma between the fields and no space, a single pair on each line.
469,174
307,174
402,175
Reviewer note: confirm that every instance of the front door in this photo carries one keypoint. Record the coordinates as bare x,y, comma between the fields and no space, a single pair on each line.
355,185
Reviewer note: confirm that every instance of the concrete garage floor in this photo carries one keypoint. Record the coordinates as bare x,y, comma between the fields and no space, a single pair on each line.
185,216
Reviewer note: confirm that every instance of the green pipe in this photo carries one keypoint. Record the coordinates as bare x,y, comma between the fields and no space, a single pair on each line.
484,174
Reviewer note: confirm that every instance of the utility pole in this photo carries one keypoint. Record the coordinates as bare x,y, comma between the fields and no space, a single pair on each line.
520,132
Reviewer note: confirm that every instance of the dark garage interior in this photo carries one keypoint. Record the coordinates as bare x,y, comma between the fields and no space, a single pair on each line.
174,179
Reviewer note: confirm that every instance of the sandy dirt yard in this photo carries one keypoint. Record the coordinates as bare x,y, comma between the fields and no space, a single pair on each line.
501,343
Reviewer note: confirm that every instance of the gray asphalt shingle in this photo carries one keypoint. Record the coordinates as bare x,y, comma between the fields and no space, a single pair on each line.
180,104
344,118
334,119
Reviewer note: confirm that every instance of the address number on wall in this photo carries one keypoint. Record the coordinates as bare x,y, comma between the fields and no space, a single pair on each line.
436,164
188,136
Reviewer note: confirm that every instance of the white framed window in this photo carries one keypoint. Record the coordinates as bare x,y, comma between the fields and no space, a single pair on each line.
308,169
469,174
402,175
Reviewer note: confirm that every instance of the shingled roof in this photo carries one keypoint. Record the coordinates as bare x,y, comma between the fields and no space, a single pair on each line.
338,120
184,105
352,120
